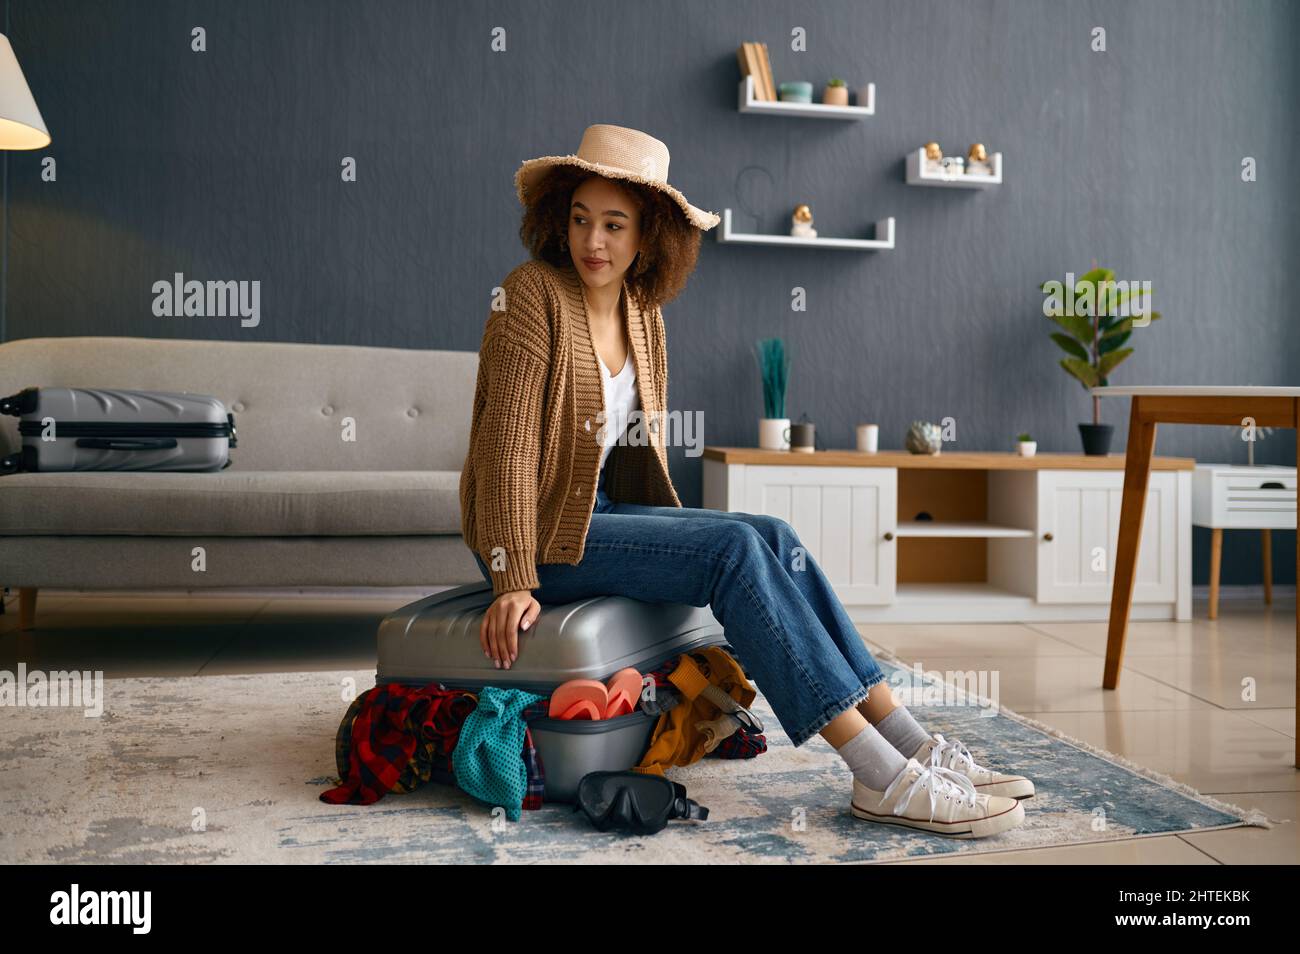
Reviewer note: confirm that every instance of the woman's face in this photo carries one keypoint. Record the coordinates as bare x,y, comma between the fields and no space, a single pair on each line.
604,232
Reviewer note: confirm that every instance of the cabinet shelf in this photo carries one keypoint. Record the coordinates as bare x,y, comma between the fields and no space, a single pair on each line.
917,175
955,528
884,238
1005,543
962,594
748,104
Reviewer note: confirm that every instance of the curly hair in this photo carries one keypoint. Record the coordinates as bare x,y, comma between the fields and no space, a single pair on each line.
672,243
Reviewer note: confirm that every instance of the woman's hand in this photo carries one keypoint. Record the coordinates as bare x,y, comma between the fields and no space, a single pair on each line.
499,632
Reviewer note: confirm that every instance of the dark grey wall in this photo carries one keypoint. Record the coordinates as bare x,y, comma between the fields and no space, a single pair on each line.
225,165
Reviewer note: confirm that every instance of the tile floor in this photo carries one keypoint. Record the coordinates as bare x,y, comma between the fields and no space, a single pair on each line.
1179,708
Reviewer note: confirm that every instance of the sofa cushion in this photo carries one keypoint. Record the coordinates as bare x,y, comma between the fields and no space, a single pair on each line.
233,503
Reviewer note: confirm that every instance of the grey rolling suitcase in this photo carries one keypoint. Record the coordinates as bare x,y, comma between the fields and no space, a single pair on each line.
436,640
68,429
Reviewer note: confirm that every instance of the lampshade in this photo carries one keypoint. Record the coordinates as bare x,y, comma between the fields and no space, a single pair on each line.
21,125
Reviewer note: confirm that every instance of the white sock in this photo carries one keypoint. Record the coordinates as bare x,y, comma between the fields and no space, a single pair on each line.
903,731
872,759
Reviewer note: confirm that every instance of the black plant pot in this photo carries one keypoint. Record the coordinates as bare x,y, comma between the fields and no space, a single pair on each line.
1096,438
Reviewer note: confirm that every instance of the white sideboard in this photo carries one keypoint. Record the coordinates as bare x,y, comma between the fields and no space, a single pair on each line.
968,537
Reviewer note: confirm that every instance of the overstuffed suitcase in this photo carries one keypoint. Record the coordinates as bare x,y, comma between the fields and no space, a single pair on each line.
436,640
66,429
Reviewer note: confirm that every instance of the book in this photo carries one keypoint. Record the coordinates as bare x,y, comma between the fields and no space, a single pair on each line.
767,72
747,55
740,60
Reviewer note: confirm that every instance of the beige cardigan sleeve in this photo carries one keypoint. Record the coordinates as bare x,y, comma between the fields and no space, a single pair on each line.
516,365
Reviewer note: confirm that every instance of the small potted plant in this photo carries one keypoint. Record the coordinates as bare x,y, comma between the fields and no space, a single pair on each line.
1026,445
773,365
836,93
1091,314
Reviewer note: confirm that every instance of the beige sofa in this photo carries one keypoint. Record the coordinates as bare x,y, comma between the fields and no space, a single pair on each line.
300,505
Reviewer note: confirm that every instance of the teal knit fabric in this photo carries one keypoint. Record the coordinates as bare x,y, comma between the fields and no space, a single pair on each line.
488,759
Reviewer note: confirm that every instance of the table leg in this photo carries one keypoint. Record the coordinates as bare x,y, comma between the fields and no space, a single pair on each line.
27,607
1216,563
1137,470
1267,543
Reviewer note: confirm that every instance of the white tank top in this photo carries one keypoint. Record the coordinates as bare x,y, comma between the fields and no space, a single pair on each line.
621,399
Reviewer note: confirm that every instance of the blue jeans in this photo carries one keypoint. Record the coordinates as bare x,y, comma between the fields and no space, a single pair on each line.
784,623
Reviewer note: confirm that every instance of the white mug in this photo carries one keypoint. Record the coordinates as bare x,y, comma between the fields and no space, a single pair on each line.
868,437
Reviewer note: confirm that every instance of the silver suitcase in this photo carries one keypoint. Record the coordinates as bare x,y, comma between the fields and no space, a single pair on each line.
66,429
436,640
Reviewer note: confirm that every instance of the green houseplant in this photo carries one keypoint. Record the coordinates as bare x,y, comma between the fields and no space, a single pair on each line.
773,366
1094,332
836,93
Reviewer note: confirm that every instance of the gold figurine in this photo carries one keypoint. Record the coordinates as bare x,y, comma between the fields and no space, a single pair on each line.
979,161
933,158
801,223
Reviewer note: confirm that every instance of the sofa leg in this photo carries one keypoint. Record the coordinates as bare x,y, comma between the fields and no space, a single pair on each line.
27,607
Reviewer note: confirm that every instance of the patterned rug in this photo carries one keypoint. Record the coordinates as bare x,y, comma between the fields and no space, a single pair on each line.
228,769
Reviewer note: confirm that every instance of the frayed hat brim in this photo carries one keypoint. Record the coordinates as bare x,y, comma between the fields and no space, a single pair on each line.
531,170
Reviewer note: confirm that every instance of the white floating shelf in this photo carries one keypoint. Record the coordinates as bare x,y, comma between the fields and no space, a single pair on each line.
916,174
748,104
884,237
953,528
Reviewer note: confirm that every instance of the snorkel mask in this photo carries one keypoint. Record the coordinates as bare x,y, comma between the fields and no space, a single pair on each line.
633,802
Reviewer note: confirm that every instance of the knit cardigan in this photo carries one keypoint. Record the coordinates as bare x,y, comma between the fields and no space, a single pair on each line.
528,485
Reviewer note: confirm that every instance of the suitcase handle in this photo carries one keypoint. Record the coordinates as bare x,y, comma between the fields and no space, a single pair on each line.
16,405
127,444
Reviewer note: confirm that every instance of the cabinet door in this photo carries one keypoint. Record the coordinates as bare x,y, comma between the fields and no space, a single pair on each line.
842,515
1080,510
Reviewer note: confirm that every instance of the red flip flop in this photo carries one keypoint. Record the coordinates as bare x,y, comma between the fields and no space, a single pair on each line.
624,690
579,699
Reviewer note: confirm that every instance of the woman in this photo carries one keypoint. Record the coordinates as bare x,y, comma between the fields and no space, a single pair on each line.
555,512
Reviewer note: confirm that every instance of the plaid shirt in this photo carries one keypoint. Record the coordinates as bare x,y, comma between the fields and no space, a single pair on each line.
533,758
395,738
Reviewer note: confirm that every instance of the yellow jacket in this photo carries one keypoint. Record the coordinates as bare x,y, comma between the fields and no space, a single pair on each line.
678,738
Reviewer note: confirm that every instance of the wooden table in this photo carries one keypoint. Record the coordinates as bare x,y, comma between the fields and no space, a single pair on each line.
1229,406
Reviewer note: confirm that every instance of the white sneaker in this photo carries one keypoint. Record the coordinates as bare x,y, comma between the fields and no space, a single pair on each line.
951,754
939,800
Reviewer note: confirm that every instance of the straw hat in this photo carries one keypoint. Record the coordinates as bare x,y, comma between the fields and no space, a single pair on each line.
619,153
